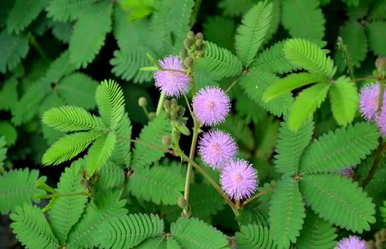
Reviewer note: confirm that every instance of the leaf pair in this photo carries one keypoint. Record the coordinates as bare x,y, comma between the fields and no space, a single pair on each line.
312,177
87,128
343,93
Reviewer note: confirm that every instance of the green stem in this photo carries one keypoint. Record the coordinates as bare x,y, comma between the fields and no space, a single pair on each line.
46,187
232,85
36,45
160,104
376,163
58,195
211,181
189,172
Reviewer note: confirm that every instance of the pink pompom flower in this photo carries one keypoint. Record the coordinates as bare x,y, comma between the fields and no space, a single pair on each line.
239,179
216,148
369,101
381,120
211,105
352,242
171,80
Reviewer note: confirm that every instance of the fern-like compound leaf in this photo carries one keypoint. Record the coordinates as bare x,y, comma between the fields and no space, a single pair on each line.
340,149
110,101
309,56
344,100
12,49
273,60
220,62
100,152
32,229
286,213
90,32
70,118
85,233
204,201
3,155
18,187
110,176
376,37
192,233
305,105
23,13
121,153
303,19
254,236
290,147
68,147
66,10
253,31
338,200
289,83
316,234
128,231
152,243
158,184
67,210
149,147
383,212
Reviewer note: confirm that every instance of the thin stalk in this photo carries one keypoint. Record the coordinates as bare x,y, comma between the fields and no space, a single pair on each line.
45,187
58,195
232,85
376,163
255,197
189,171
160,104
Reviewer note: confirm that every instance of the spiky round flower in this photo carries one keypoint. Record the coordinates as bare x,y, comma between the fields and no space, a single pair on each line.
352,242
369,98
239,179
211,105
381,120
216,148
171,80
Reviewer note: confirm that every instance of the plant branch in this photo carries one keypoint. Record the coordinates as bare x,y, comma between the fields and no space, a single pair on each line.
160,104
376,163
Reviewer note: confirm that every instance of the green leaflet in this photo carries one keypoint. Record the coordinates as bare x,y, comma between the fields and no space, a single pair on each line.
232,8
160,184
204,201
289,83
290,147
95,21
68,147
316,234
12,49
306,104
23,13
340,149
71,118
383,212
18,187
338,200
66,10
3,155
128,231
355,40
286,213
110,101
195,234
67,210
303,19
9,132
253,30
110,176
9,94
377,37
220,62
344,100
151,136
254,236
100,152
121,153
32,228
309,56
97,214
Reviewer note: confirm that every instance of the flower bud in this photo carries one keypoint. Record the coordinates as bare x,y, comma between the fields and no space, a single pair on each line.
199,36
142,102
188,62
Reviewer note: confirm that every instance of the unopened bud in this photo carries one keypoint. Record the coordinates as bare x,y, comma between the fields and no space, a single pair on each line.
181,202
188,43
188,62
142,102
190,35
199,36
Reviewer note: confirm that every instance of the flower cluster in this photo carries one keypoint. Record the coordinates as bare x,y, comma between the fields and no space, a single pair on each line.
351,242
218,149
371,108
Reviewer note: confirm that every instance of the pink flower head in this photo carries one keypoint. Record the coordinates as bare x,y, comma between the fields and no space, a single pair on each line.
369,99
216,148
239,179
172,83
211,105
352,242
381,120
